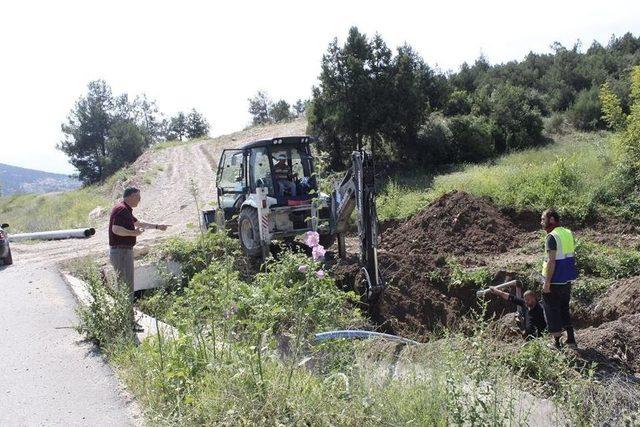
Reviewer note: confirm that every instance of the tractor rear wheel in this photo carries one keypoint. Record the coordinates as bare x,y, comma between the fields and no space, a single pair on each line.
249,232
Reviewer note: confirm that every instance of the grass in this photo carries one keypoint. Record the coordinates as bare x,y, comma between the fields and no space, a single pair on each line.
566,174
42,212
33,212
243,353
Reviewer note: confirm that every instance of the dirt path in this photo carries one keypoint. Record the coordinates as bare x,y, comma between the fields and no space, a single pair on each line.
163,177
48,375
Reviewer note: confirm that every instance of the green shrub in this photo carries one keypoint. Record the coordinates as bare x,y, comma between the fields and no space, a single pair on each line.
587,289
282,300
107,318
196,255
520,123
556,369
459,103
555,124
434,140
472,139
585,113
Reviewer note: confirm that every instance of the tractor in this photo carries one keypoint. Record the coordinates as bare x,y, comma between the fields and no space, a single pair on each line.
267,190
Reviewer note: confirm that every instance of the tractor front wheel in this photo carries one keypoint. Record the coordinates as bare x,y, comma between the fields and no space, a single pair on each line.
249,232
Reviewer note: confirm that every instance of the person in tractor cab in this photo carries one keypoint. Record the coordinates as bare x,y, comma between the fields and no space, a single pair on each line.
284,177
534,322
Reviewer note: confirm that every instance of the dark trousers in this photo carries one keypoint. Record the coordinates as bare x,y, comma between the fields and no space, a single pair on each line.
556,307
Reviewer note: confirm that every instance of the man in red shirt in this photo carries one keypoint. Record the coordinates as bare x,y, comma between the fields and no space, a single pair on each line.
123,230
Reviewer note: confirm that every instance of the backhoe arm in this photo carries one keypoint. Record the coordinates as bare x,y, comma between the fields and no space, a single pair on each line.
357,191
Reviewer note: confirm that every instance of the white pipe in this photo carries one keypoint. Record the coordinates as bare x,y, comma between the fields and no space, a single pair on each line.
508,284
351,333
77,233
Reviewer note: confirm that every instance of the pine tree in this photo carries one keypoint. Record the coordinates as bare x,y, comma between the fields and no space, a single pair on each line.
259,108
86,132
197,125
280,112
177,127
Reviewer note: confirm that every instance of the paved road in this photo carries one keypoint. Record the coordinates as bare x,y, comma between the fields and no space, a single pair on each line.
48,376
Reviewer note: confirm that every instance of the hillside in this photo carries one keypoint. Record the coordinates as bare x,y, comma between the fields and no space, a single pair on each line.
17,180
433,266
164,176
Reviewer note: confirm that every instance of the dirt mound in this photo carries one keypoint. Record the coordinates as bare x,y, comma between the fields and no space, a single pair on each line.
620,299
415,261
457,223
612,343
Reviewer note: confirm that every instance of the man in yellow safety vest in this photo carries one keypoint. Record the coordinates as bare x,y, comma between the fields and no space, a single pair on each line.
558,271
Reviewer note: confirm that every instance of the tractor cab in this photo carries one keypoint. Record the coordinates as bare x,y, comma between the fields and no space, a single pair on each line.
275,174
281,165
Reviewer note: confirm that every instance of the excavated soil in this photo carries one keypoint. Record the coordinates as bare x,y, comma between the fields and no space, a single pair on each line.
612,344
457,224
415,259
621,299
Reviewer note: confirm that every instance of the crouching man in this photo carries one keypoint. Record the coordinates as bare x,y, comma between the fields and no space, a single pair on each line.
534,321
123,230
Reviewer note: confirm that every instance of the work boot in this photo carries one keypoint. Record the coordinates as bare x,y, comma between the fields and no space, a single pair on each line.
571,339
557,343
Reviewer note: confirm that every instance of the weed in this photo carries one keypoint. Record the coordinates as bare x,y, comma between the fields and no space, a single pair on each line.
243,354
196,255
606,262
107,318
461,277
586,290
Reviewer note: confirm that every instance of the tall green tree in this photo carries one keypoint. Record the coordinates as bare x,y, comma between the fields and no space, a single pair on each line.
126,142
367,95
280,112
178,127
259,108
299,108
148,118
86,132
104,132
197,125
345,111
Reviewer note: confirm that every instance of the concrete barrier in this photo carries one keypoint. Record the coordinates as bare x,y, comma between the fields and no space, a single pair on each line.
150,276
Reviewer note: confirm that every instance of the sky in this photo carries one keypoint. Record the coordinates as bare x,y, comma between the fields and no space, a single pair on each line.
213,56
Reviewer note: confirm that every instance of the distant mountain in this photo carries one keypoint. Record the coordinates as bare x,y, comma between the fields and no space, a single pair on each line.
14,180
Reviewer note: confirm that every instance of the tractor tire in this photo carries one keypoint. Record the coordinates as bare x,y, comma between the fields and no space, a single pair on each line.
249,232
8,260
327,240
